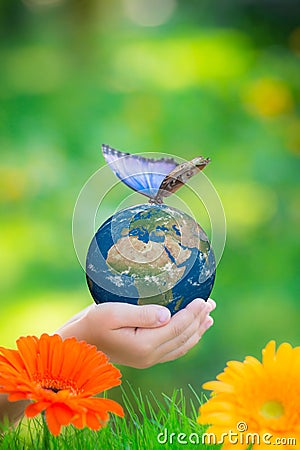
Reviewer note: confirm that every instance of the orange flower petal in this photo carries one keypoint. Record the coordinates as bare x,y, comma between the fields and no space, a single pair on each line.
103,381
16,396
73,355
113,406
34,409
60,377
53,424
56,356
27,347
78,421
102,406
10,358
43,362
93,422
62,412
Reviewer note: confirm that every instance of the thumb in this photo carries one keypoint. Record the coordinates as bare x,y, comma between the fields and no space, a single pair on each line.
122,315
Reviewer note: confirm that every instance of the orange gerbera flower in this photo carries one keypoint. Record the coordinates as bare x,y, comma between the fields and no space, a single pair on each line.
258,402
60,377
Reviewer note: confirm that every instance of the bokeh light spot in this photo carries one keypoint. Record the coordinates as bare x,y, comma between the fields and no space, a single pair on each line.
268,97
181,62
247,205
13,184
149,13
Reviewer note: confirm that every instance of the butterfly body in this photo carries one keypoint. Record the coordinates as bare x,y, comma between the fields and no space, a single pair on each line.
155,178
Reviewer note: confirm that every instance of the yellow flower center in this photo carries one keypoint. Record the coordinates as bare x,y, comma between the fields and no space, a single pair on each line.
272,409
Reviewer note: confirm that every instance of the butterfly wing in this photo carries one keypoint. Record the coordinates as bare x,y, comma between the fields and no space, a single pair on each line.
144,175
179,176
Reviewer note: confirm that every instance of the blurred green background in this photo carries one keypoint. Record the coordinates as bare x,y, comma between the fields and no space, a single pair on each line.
220,79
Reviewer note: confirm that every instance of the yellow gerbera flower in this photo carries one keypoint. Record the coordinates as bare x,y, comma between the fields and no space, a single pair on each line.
256,403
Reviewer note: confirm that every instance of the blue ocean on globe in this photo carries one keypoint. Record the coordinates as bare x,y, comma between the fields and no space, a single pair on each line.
150,253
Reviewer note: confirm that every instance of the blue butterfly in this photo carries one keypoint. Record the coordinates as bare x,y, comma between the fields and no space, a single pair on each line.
155,178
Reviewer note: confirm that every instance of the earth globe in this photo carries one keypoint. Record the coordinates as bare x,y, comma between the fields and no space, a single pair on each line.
150,253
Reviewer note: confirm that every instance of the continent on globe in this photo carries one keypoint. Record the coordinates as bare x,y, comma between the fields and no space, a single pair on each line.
150,253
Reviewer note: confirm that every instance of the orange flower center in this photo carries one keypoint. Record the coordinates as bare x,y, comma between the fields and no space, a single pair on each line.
57,385
272,409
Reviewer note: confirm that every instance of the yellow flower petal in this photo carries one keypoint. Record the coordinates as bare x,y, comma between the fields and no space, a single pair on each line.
218,386
264,395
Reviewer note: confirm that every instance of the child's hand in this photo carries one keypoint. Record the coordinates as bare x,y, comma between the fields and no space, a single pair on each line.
137,336
141,336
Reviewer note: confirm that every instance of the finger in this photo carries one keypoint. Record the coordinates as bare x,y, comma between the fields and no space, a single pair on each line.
183,325
155,349
205,325
180,322
212,303
201,309
181,351
124,315
177,352
197,306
